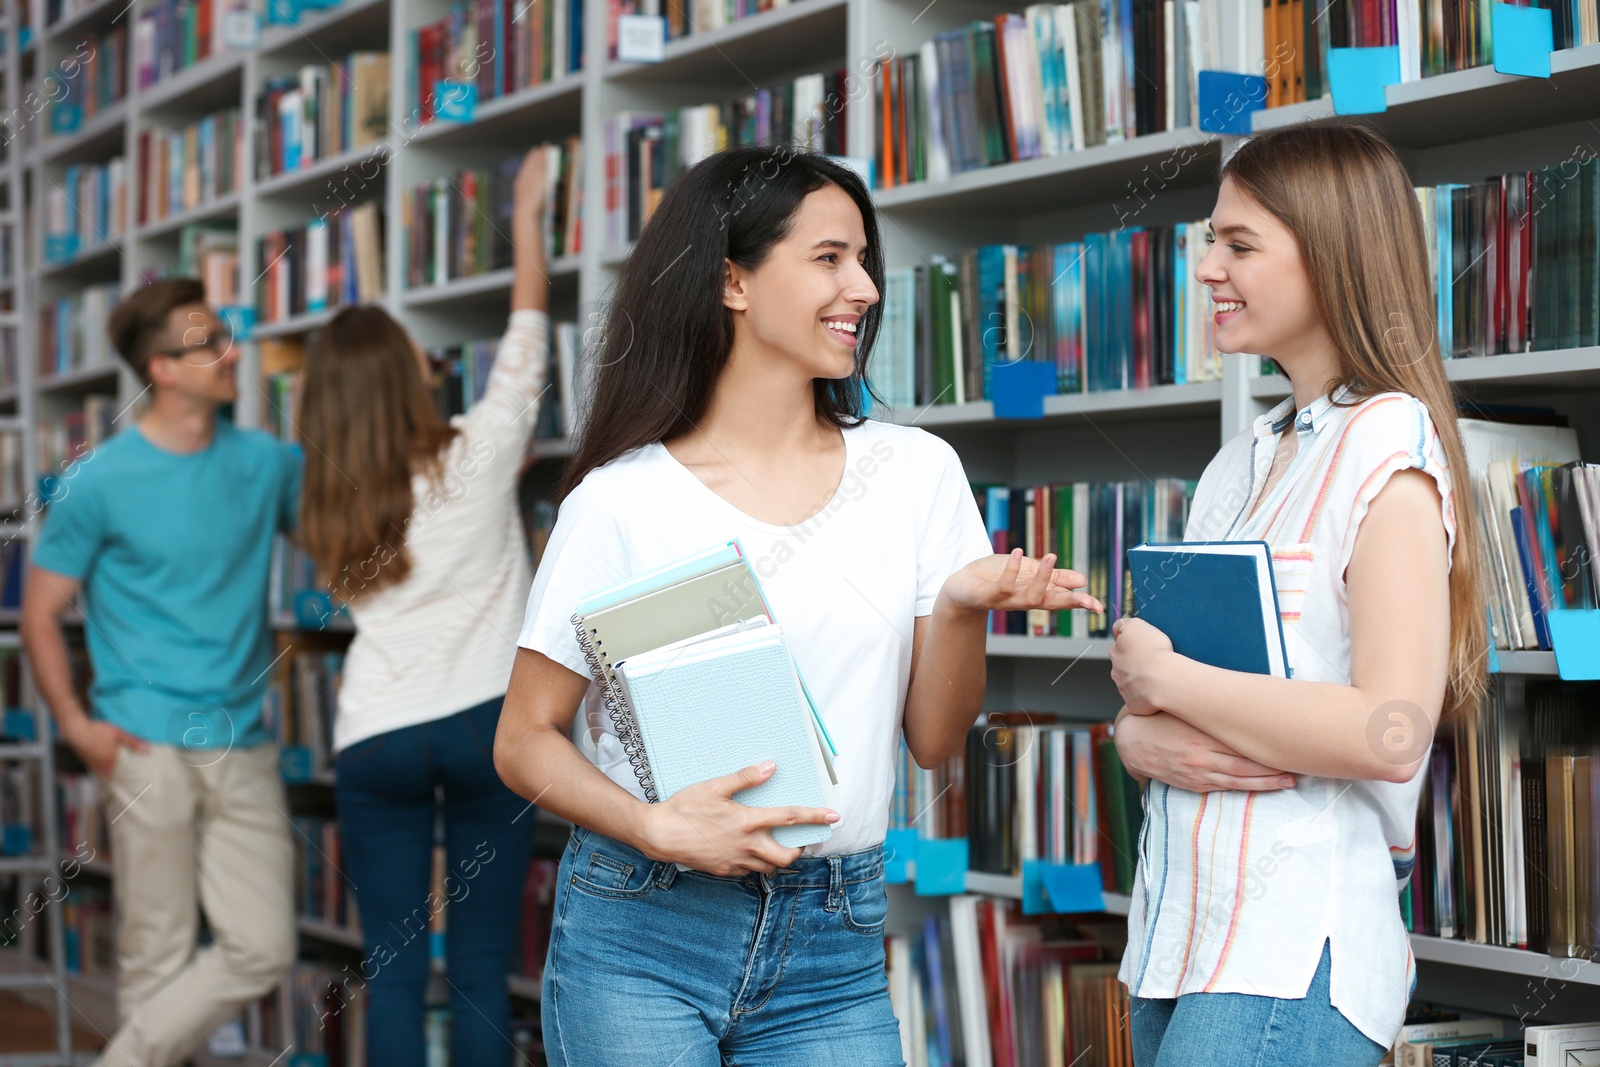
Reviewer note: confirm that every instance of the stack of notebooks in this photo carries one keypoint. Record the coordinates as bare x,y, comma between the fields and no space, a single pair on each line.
699,682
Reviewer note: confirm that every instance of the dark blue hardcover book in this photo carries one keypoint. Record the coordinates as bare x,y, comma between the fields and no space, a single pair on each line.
1215,600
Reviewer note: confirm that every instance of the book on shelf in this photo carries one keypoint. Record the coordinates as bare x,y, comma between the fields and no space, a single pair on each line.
86,209
1089,526
460,225
538,912
1506,844
174,35
320,889
72,334
986,987
461,376
91,81
538,522
301,701
645,152
499,46
14,485
187,167
85,833
318,1018
1538,507
331,261
1117,310
89,930
687,17
211,253
321,111
1028,786
59,442
1515,260
21,832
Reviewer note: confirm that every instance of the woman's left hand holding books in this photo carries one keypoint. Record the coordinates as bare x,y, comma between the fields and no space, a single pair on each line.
1018,583
1140,654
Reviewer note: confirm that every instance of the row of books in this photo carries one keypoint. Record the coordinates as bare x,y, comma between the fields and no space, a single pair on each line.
461,225
87,208
321,1014
72,331
19,810
174,35
461,375
1029,786
1514,260
499,46
62,440
689,16
80,813
302,695
331,261
11,562
14,483
1446,1037
538,520
1433,36
1117,310
1508,833
1538,507
319,886
95,79
322,111
211,253
188,167
1089,526
645,152
89,930
986,987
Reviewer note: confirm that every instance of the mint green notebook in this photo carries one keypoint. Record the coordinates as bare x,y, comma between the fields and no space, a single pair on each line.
724,701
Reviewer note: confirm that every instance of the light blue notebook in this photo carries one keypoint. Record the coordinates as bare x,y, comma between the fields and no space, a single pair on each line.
720,702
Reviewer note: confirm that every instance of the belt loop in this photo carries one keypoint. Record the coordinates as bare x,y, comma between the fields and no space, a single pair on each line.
835,883
669,874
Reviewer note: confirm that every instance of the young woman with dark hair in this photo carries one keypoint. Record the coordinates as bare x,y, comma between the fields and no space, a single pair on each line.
728,403
1281,814
414,523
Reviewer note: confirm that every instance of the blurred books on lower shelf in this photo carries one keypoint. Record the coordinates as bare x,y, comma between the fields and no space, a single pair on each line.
72,332
985,987
300,705
1508,834
461,377
1030,786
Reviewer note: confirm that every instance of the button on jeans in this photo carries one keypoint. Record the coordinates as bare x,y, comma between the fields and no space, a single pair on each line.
650,965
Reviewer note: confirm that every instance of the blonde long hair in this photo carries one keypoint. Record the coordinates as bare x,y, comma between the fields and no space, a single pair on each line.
1346,197
369,423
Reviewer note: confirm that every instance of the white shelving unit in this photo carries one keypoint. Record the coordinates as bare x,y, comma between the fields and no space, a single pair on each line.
1459,127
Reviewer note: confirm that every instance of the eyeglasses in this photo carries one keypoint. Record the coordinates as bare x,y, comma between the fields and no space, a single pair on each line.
204,352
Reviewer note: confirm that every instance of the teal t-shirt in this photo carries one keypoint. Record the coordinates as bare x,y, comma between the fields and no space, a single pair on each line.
174,553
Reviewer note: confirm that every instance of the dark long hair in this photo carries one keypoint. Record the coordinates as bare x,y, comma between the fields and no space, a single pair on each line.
667,334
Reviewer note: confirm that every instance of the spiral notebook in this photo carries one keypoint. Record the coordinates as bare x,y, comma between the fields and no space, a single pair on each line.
705,593
723,701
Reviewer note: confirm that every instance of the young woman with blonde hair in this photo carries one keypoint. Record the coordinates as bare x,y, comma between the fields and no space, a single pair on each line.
413,521
1280,816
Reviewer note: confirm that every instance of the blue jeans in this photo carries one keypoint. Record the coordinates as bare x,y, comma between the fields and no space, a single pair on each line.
1241,1030
387,811
650,965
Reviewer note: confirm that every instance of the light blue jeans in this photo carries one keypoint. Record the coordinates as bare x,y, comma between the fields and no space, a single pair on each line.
651,966
1241,1030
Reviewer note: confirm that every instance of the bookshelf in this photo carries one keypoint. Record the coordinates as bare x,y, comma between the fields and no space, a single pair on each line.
1451,127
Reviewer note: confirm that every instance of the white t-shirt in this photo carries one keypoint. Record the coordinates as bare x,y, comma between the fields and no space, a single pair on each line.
846,585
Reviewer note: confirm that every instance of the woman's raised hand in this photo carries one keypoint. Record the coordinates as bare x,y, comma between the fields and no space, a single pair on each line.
530,282
1018,583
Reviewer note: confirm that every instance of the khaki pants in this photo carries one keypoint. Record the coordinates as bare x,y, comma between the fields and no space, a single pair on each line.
194,830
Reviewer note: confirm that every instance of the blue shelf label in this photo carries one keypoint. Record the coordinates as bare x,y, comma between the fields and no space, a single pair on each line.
1524,37
455,101
941,866
1357,77
1575,635
899,850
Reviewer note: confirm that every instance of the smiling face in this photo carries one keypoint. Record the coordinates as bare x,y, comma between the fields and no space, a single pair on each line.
1260,290
804,302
